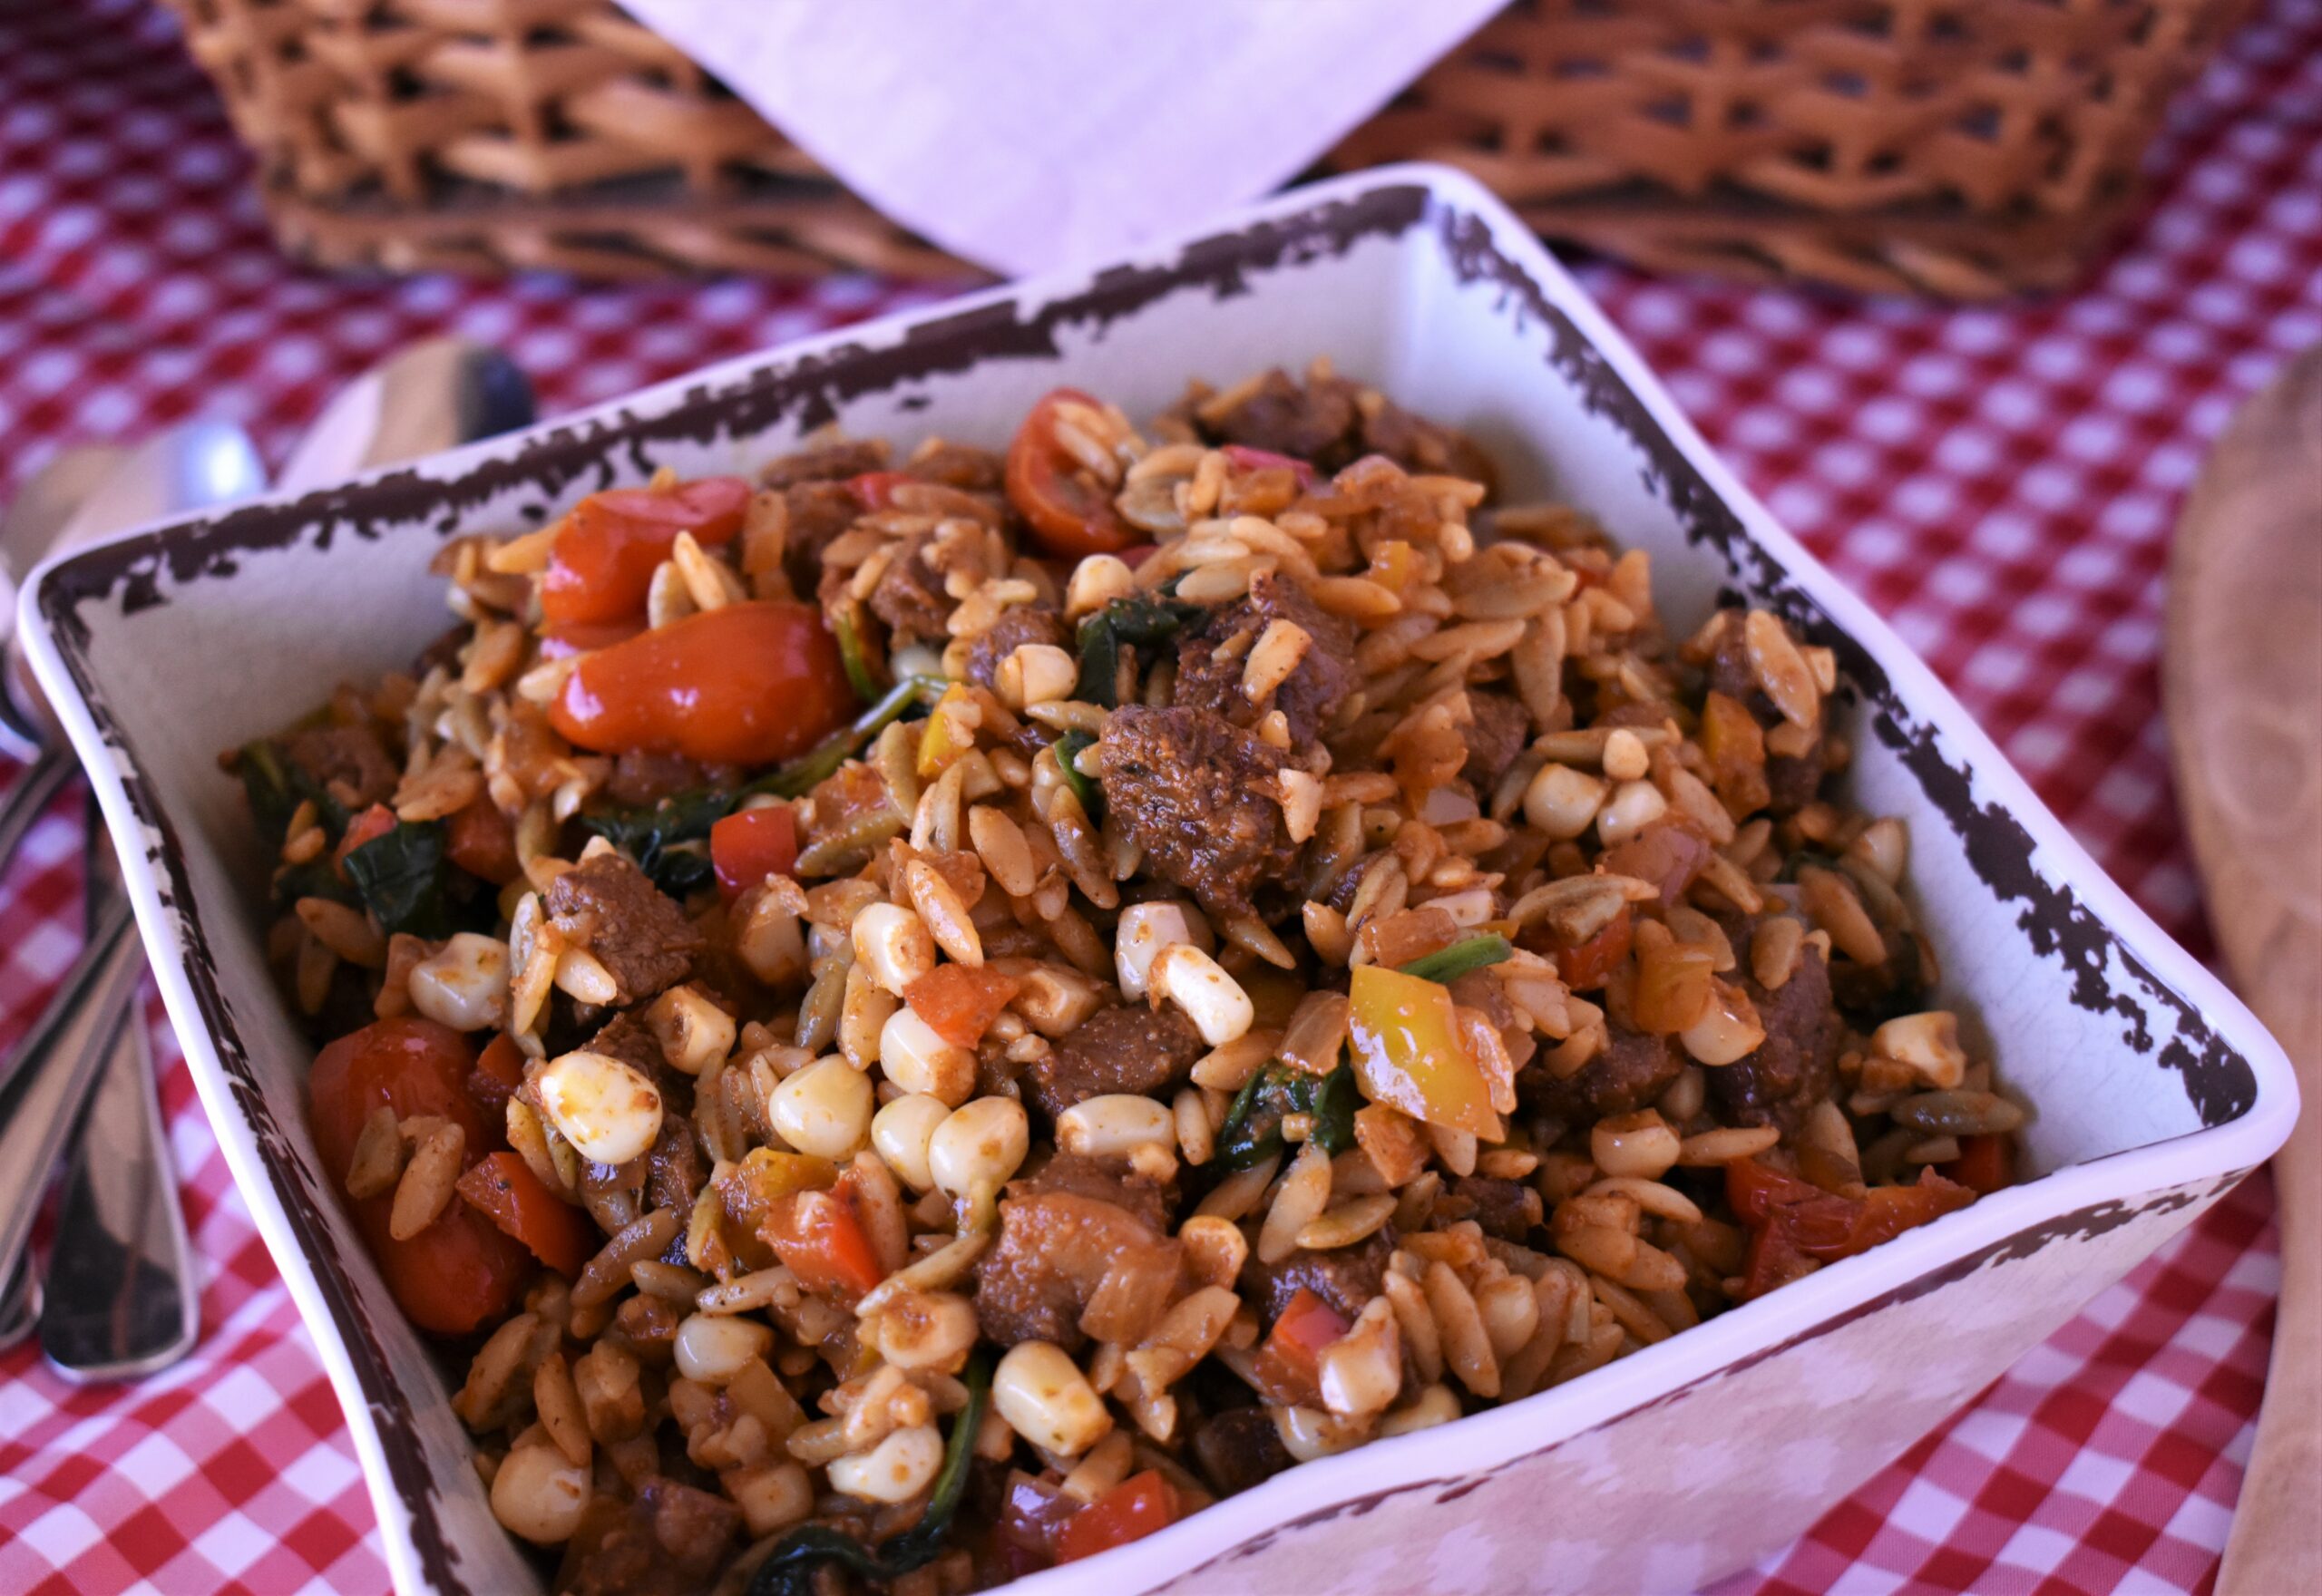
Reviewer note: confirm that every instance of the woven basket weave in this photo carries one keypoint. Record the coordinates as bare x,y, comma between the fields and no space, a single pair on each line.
1960,147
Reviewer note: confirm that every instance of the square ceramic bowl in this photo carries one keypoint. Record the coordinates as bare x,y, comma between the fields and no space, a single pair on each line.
2153,1090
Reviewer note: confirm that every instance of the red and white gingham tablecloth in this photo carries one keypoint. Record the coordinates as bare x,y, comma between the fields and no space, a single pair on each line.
1999,482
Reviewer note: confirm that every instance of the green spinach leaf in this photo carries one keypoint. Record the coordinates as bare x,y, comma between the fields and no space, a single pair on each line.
1136,623
404,878
1448,964
1252,1129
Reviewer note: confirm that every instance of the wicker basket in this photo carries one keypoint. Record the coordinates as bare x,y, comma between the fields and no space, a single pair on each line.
1960,147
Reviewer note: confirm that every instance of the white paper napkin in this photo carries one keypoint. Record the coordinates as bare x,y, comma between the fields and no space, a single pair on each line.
1033,133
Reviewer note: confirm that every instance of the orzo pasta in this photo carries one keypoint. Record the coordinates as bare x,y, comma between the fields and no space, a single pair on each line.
931,1014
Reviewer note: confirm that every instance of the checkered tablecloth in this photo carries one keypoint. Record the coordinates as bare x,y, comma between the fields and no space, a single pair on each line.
2000,482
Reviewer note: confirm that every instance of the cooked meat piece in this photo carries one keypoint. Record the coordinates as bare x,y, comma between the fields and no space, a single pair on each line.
955,465
644,779
1505,1209
1870,996
1494,737
1423,448
443,651
1344,1277
1061,1248
818,513
350,763
636,931
669,1174
828,462
1315,422
1791,782
1196,792
1632,1070
1239,1448
1312,694
1107,1180
631,1040
649,1325
1132,1048
910,598
1792,1070
673,1541
1025,623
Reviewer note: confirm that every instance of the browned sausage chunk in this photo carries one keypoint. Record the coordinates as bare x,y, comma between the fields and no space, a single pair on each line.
1630,1072
640,936
1061,1246
1344,1277
1239,1448
1210,679
1128,1049
671,1542
1196,793
1792,1070
1025,623
1494,737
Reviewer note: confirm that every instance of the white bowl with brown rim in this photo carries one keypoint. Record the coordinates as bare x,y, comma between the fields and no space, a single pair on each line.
2152,1090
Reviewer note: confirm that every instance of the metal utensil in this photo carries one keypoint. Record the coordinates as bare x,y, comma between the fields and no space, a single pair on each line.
123,1296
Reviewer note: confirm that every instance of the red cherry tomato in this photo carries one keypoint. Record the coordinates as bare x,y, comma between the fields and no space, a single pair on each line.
604,558
502,1187
460,1272
748,846
1130,1511
498,1072
481,841
1071,513
747,684
582,637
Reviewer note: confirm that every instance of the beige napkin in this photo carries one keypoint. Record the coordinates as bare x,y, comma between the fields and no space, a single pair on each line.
1033,133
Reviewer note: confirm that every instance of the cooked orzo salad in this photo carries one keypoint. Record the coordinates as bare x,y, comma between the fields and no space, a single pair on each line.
928,1016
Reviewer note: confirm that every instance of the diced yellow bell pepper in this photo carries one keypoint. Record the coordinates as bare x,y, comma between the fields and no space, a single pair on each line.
949,732
1408,1052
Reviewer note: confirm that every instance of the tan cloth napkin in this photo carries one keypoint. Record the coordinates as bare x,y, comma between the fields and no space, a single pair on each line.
1031,133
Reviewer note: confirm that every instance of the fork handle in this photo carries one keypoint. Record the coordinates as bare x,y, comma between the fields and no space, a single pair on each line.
30,796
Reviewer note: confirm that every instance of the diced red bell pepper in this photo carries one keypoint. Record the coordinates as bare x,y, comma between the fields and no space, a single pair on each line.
1290,1365
817,1235
1984,1164
1793,1221
369,826
752,844
1130,1511
498,1072
961,1001
1590,964
876,489
1753,1188
502,1187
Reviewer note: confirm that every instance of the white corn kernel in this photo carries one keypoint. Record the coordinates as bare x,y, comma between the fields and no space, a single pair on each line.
893,944
1211,998
605,1108
896,1470
1362,1370
1096,582
466,986
903,1133
1115,1126
823,1109
713,1348
1035,672
693,1031
1635,805
1626,759
916,1057
980,1145
1563,802
540,1497
1046,1400
1144,930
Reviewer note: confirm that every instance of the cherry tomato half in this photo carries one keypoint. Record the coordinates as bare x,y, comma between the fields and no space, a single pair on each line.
462,1271
751,844
1071,513
746,684
604,558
